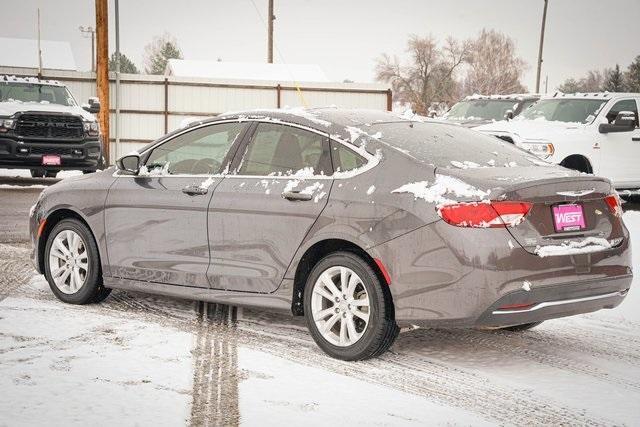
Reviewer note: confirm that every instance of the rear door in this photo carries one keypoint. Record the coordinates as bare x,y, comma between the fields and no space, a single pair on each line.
261,212
620,151
156,223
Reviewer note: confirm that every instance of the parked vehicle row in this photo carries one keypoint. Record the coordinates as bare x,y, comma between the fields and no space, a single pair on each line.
360,221
42,128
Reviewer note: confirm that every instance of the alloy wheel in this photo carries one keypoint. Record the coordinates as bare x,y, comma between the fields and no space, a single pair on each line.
340,306
68,262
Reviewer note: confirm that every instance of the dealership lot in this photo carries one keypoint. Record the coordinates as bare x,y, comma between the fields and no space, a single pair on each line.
203,363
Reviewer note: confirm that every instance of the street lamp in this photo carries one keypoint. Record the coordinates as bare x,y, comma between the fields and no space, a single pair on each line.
87,32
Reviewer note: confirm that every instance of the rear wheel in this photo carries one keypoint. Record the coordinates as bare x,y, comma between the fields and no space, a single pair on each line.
520,328
349,313
72,264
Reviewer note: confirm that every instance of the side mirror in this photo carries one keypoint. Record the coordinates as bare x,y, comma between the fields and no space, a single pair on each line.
508,115
625,122
93,106
129,164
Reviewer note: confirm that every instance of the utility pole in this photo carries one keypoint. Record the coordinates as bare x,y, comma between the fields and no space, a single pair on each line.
39,49
92,33
544,19
102,73
270,20
117,121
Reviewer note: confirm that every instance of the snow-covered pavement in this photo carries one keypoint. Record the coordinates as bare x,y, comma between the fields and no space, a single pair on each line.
139,360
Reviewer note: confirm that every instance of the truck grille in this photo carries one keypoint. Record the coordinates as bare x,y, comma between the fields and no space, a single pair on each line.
49,126
52,150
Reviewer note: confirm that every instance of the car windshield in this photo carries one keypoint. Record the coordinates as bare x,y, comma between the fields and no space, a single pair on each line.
482,109
446,145
564,110
33,92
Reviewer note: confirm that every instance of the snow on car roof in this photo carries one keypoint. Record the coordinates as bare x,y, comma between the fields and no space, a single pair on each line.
512,96
592,95
31,80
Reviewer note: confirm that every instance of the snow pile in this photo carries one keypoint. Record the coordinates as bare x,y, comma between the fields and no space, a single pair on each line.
588,245
156,171
444,185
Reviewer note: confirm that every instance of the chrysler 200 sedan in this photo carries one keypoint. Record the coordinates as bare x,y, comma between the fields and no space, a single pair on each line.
361,221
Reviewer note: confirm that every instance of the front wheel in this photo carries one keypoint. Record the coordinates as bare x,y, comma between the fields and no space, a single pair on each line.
72,264
349,311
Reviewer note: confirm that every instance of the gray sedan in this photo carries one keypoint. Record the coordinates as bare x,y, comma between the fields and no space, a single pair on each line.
361,221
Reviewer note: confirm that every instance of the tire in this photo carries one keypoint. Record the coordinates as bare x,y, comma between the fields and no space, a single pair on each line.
37,173
51,174
520,328
369,338
88,288
88,172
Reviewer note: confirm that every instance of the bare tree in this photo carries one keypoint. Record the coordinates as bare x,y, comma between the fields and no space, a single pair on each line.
593,81
159,51
430,74
494,67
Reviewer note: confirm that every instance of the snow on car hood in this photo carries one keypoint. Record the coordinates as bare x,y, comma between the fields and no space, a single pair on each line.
10,108
531,129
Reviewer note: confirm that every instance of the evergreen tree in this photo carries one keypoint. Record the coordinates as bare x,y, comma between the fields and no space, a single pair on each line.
126,65
614,81
632,76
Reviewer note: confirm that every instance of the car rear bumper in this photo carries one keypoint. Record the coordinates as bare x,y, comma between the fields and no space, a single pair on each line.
28,155
459,277
568,299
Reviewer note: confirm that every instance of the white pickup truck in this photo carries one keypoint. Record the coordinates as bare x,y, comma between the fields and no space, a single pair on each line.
594,133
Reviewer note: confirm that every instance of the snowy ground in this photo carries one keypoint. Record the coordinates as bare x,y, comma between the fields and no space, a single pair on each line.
138,360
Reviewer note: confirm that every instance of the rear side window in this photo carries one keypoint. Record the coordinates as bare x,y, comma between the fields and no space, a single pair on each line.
624,105
345,159
277,149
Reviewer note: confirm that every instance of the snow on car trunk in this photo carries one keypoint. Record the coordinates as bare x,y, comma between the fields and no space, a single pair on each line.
570,213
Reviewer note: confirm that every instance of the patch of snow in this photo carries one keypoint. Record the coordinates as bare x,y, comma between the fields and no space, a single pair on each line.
290,185
443,186
319,196
511,245
585,246
526,285
370,190
310,189
207,183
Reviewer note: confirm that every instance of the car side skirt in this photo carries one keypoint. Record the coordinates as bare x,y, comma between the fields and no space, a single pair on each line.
279,300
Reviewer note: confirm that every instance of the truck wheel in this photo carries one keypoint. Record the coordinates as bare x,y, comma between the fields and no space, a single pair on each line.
37,173
349,312
51,174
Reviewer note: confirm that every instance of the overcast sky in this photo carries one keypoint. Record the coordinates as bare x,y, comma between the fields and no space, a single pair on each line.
345,37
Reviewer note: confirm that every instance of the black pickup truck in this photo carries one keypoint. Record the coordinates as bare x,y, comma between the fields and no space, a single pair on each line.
42,128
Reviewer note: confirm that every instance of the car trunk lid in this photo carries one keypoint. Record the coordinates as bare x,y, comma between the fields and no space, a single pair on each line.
569,212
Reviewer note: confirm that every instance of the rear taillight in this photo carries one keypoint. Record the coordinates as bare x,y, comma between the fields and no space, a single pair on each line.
485,214
615,204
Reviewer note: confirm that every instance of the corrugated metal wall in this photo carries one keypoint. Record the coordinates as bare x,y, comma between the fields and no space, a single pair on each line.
150,106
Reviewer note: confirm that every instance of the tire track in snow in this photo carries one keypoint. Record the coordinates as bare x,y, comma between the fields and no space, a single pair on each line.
534,346
15,268
215,377
439,382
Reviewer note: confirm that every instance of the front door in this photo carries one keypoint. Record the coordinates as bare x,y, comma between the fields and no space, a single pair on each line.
620,151
260,214
156,222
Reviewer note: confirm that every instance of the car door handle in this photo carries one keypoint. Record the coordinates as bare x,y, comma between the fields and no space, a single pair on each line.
194,190
296,196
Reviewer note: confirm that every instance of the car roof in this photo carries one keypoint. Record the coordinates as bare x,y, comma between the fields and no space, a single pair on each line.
335,121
